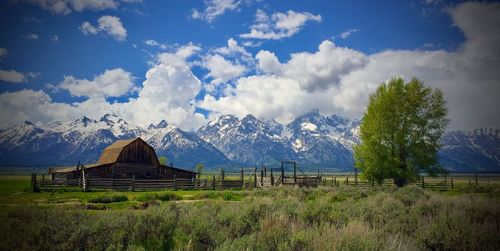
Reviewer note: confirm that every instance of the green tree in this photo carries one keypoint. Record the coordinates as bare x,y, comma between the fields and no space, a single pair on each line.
163,160
199,168
401,132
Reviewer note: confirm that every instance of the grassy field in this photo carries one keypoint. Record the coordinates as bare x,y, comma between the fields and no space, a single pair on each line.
323,218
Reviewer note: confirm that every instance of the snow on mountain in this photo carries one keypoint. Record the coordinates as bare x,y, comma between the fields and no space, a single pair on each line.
67,142
322,141
476,150
312,139
248,140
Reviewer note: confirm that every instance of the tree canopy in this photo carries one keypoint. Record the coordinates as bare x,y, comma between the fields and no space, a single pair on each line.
163,160
401,132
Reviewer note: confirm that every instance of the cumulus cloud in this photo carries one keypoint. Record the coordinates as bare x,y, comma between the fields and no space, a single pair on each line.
340,80
279,25
167,93
111,83
214,8
319,70
36,106
222,70
88,29
110,25
65,7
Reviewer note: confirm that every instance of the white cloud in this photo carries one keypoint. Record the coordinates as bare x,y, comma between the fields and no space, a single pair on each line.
348,33
108,24
279,25
111,83
167,93
12,76
214,8
222,70
319,70
151,42
88,29
35,106
232,48
340,80
31,36
65,7
113,26
251,44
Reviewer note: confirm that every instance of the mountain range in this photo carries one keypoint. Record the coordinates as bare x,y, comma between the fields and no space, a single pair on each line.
312,139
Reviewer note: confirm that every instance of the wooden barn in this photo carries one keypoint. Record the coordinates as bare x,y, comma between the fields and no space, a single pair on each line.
124,159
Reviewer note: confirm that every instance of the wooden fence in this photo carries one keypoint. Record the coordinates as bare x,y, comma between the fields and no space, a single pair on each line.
133,184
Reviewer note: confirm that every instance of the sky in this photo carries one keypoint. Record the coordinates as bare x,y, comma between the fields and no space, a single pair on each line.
187,62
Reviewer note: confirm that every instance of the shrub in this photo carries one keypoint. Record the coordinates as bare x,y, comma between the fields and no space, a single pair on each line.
109,198
167,196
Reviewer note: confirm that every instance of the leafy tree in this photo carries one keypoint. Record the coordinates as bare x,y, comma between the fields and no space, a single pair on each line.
163,160
199,168
401,132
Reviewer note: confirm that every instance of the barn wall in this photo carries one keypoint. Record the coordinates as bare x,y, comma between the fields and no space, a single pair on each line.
138,152
167,172
141,171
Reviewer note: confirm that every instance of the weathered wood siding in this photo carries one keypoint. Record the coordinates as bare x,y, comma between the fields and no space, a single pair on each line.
138,152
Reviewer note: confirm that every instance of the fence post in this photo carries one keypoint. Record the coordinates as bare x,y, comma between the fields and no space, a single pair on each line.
133,183
347,181
272,178
261,177
175,183
85,185
295,173
423,182
213,182
334,181
355,176
255,177
32,182
475,176
452,183
282,173
241,177
265,171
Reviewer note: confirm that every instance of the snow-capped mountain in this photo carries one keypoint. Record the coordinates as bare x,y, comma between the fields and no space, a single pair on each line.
67,142
324,141
476,150
312,139
248,140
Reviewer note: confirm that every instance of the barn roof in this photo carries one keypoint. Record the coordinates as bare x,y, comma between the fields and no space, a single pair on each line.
112,152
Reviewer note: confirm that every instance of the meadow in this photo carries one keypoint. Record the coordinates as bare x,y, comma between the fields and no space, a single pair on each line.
283,218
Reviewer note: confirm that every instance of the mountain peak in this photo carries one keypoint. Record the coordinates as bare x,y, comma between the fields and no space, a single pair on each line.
28,123
111,118
162,124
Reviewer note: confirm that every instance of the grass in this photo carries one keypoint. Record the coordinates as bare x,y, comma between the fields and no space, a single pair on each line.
324,218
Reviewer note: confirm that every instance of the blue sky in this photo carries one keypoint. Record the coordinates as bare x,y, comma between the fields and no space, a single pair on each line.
152,60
